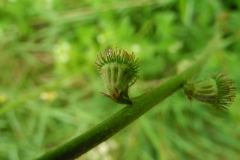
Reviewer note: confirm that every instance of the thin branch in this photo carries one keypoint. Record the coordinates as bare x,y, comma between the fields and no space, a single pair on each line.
127,115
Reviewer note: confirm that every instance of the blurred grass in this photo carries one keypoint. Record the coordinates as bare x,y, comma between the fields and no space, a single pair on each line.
43,41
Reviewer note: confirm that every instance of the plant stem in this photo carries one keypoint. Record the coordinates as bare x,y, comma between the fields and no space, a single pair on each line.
127,115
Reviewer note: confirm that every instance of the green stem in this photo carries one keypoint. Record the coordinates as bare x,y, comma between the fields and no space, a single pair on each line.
127,115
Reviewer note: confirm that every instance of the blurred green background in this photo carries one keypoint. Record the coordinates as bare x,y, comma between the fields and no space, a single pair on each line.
49,88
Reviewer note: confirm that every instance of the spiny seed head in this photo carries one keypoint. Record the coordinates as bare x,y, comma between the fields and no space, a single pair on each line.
119,70
216,90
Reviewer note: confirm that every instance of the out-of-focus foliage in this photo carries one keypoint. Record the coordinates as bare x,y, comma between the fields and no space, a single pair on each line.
49,89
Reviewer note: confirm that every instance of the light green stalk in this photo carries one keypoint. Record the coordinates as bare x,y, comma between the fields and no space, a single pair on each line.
127,115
